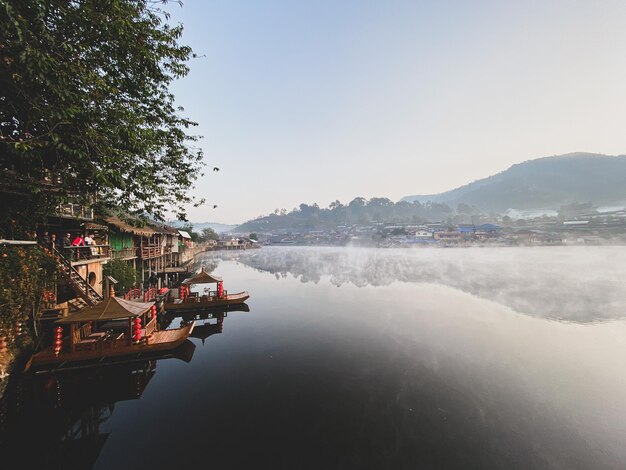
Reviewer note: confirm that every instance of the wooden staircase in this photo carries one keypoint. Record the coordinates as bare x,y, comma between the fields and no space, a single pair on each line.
87,296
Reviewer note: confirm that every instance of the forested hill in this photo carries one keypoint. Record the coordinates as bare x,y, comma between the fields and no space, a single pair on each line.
549,182
358,211
543,183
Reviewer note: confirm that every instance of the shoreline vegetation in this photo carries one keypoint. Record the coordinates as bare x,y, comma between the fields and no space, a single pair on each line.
88,125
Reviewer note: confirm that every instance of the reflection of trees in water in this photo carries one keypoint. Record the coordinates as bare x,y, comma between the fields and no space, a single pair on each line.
209,263
60,420
538,282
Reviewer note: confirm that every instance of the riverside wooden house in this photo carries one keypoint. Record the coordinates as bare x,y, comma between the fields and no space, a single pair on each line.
79,268
80,282
159,249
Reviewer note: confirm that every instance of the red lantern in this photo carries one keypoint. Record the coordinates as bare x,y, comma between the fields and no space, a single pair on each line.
153,311
58,340
137,332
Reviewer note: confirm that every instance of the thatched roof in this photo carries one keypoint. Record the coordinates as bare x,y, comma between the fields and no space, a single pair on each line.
114,308
125,227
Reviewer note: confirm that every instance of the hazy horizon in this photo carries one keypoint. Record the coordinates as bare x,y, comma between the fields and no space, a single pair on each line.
302,102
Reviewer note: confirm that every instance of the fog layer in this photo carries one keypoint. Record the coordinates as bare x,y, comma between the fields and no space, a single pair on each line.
567,283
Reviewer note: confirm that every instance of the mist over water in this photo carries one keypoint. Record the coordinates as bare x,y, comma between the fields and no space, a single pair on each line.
419,359
579,284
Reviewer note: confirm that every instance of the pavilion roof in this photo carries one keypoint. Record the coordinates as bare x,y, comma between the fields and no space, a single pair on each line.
202,277
113,308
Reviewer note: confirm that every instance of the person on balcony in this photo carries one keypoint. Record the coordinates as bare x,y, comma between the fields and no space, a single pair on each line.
92,250
52,243
77,243
67,244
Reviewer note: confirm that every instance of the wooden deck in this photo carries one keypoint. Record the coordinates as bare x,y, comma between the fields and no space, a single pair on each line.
157,341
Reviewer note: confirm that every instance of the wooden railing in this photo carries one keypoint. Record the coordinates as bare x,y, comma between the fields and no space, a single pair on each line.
150,326
148,252
81,285
124,253
150,294
132,294
81,253
81,333
75,210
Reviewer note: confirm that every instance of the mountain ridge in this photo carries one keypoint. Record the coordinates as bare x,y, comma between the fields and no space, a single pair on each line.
545,182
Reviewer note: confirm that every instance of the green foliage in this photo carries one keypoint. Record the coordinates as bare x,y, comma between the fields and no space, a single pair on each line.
358,211
24,274
543,182
254,236
85,107
123,272
208,234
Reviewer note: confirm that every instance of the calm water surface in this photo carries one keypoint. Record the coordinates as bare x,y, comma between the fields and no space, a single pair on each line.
359,358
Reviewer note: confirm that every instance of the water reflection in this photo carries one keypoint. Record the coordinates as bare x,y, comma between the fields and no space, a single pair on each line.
208,323
551,282
405,375
61,420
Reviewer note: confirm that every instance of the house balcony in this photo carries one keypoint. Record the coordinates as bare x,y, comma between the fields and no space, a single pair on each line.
149,252
75,211
124,253
79,255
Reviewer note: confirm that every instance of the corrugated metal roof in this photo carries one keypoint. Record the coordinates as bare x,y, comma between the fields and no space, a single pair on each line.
184,234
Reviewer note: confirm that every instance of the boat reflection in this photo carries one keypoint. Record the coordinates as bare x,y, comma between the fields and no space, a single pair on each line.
61,419
213,324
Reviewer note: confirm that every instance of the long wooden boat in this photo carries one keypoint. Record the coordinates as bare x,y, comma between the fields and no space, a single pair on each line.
159,341
193,301
110,329
205,302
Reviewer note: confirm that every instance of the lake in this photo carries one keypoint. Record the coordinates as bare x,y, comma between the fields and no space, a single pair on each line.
361,358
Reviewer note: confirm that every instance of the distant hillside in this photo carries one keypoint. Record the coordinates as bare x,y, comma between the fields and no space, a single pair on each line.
543,183
198,226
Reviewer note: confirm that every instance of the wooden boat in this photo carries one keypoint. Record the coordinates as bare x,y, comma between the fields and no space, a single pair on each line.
193,301
112,328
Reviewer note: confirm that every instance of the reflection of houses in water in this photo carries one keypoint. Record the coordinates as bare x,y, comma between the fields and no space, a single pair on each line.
61,419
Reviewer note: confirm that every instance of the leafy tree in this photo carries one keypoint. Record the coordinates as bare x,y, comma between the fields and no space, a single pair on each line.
208,234
85,109
253,236
25,275
125,275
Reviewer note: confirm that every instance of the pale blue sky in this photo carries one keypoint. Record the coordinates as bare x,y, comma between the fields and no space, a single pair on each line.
312,101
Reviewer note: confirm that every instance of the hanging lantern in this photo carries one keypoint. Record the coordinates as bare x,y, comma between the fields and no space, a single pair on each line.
153,312
220,289
58,340
137,330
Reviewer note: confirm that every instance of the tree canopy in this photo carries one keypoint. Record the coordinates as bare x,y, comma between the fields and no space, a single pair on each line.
86,114
357,211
